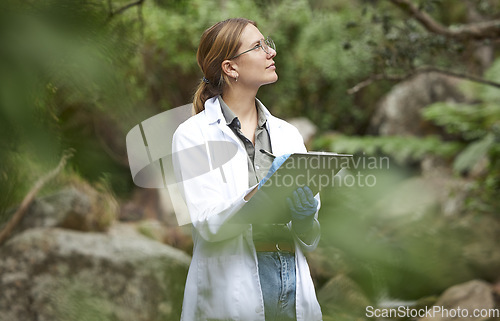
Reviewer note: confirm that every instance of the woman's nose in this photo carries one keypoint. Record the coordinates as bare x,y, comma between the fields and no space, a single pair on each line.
272,53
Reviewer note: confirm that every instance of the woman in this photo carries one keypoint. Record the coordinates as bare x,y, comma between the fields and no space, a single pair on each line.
241,271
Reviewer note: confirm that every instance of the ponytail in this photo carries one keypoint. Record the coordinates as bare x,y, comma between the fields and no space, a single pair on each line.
204,91
199,98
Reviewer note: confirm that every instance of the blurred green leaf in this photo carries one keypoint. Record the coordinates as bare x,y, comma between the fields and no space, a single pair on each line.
473,153
402,149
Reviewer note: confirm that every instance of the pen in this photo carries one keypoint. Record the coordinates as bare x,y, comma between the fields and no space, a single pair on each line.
263,151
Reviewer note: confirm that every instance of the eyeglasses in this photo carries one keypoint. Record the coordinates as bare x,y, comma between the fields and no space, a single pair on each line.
266,45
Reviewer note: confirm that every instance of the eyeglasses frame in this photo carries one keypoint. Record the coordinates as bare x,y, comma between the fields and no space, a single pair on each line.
268,42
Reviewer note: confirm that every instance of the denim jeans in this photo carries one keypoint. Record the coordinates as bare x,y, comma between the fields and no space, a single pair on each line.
277,280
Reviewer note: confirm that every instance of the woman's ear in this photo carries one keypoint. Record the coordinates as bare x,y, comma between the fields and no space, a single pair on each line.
230,68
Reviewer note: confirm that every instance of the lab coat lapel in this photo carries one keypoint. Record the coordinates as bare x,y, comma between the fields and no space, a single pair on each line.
279,142
216,118
238,166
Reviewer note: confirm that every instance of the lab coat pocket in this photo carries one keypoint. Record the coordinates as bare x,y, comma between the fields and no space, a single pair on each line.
219,283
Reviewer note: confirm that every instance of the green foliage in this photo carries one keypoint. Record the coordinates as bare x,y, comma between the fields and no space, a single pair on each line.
488,93
478,125
402,149
166,67
392,239
395,235
9,193
473,153
406,44
469,122
58,70
316,61
71,76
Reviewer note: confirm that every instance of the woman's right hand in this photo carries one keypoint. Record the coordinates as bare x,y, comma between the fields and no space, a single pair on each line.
278,161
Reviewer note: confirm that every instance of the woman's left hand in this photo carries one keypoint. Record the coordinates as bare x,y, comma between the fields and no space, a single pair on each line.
303,206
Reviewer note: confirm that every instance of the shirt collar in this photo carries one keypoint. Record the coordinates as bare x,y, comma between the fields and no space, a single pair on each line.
261,114
230,116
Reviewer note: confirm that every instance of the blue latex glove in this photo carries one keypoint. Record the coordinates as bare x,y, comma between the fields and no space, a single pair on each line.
277,162
303,206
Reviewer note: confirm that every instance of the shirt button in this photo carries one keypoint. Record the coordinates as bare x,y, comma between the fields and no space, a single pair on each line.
258,309
257,167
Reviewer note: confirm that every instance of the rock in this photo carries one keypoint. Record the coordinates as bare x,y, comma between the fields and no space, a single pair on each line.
326,262
496,292
82,208
341,298
152,229
55,274
398,113
178,237
124,229
475,294
143,204
450,190
412,198
436,188
481,236
53,210
305,127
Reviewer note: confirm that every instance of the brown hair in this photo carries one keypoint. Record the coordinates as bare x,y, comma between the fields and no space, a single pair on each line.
218,43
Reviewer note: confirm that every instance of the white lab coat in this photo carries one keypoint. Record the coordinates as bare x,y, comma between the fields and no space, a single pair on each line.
223,279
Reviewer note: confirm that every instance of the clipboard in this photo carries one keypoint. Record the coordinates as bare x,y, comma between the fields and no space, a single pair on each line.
317,170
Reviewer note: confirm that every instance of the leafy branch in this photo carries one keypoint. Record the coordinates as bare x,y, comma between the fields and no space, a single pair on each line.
475,31
124,8
420,70
480,31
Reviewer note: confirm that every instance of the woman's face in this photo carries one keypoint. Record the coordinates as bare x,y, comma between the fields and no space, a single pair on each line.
256,67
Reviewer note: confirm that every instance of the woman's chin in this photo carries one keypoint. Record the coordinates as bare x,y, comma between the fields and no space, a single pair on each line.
274,79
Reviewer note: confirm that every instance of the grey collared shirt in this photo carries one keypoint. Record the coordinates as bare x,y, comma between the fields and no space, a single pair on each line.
258,166
258,163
